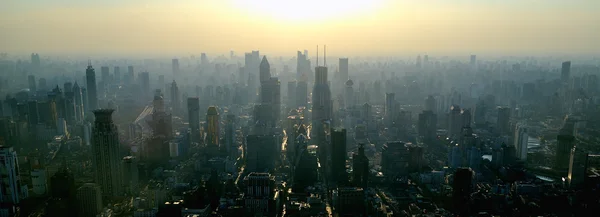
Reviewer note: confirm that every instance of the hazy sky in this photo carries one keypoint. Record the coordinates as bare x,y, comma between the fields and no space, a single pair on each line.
369,27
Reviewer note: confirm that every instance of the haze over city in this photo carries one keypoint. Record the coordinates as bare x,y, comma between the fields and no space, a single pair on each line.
353,28
308,108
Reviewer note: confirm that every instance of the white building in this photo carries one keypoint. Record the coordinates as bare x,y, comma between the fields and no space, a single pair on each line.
39,181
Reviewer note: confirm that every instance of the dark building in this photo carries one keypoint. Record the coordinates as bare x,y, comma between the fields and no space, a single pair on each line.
427,126
343,64
117,75
302,94
193,104
349,201
175,66
106,154
92,98
394,159
175,99
564,145
32,84
565,72
461,191
145,84
260,153
321,98
503,123
338,157
260,192
360,168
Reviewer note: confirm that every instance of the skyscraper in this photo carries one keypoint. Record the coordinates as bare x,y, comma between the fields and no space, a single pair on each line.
130,76
10,185
427,126
31,82
175,98
343,62
565,72
503,123
520,142
79,113
302,94
212,130
291,94
145,83
578,164
321,98
231,138
117,75
264,70
106,154
360,168
105,75
463,181
390,108
92,98
193,104
338,157
89,200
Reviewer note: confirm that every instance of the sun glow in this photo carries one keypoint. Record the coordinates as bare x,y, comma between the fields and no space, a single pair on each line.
307,10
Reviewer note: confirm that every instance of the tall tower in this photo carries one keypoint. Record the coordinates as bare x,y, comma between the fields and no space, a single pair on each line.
321,97
338,156
212,122
10,183
145,83
265,70
90,76
79,113
175,67
106,156
175,101
343,69
193,104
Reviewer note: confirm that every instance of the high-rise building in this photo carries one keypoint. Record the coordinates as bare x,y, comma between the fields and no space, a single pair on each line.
321,97
578,164
302,94
503,123
520,142
193,104
565,72
430,104
260,190
564,146
338,157
117,75
130,174
360,168
349,201
455,121
264,70
145,84
427,126
78,98
92,98
394,159
390,110
349,95
130,76
175,66
260,153
212,129
31,82
231,137
106,154
343,62
461,187
175,98
291,94
10,185
89,200
105,75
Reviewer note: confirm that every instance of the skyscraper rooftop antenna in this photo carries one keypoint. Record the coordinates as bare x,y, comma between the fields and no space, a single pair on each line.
325,55
317,55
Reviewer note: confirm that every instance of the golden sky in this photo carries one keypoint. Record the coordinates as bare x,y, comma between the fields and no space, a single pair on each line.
348,28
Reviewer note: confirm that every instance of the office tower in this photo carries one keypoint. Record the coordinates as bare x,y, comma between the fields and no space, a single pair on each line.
302,67
430,104
343,62
264,70
36,63
157,147
565,72
503,123
193,104
427,126
394,159
42,84
349,95
349,201
31,82
89,200
78,97
117,75
260,189
106,154
47,113
105,75
564,145
175,100
338,157
231,137
11,189
473,60
92,99
261,153
212,130
415,160
130,76
461,190
390,108
32,114
520,141
130,174
175,66
578,166
291,94
360,168
455,121
321,97
302,94
145,83
418,64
